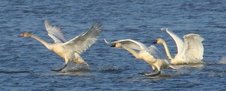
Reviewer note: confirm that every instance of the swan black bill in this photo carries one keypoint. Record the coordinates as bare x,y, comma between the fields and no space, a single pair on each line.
20,35
113,45
154,42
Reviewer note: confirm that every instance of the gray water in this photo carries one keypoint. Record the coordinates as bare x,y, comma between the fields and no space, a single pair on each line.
26,65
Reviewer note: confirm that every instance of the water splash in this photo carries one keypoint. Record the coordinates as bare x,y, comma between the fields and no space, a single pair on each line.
112,69
74,67
223,60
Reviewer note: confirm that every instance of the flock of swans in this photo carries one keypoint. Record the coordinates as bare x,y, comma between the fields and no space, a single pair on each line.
189,51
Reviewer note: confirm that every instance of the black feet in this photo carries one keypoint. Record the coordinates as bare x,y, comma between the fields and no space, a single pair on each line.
58,70
153,74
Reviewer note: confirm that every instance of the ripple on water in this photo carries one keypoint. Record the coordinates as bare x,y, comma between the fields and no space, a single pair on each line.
112,69
26,64
11,71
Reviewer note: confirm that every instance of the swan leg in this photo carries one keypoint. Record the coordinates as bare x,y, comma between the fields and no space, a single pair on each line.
156,73
58,70
172,67
65,65
153,68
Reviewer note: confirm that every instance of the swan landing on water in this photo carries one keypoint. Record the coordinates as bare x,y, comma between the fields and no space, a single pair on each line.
150,54
189,51
68,50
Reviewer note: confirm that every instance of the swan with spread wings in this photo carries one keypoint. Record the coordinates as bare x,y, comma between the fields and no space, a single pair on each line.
150,55
189,51
68,50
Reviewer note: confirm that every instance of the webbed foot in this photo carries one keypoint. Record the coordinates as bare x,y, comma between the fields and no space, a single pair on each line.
153,74
58,70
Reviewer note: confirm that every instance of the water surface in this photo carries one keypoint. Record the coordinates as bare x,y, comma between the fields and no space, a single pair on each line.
26,64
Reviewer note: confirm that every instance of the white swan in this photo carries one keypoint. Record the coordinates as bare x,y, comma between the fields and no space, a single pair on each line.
68,50
150,54
189,51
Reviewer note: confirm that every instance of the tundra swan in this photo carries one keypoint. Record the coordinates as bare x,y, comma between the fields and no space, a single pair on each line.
189,51
68,50
150,54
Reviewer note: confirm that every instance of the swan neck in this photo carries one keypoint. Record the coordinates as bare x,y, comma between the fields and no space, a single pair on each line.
46,44
167,50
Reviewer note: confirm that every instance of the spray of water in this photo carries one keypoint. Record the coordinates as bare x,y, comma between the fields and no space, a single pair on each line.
223,60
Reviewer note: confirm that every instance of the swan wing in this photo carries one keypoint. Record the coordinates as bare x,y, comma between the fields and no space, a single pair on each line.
135,45
194,48
83,41
54,32
155,52
179,42
132,44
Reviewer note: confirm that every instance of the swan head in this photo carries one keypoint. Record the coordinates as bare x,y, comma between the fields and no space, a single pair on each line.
25,34
159,41
117,45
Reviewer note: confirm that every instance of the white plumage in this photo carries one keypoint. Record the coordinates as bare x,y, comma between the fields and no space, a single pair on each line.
189,51
150,54
69,50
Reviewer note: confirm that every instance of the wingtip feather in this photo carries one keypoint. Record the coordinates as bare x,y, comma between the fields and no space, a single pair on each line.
106,42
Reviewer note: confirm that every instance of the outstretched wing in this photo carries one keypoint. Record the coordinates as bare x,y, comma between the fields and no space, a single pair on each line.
83,41
179,42
155,52
132,44
135,48
54,32
194,48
